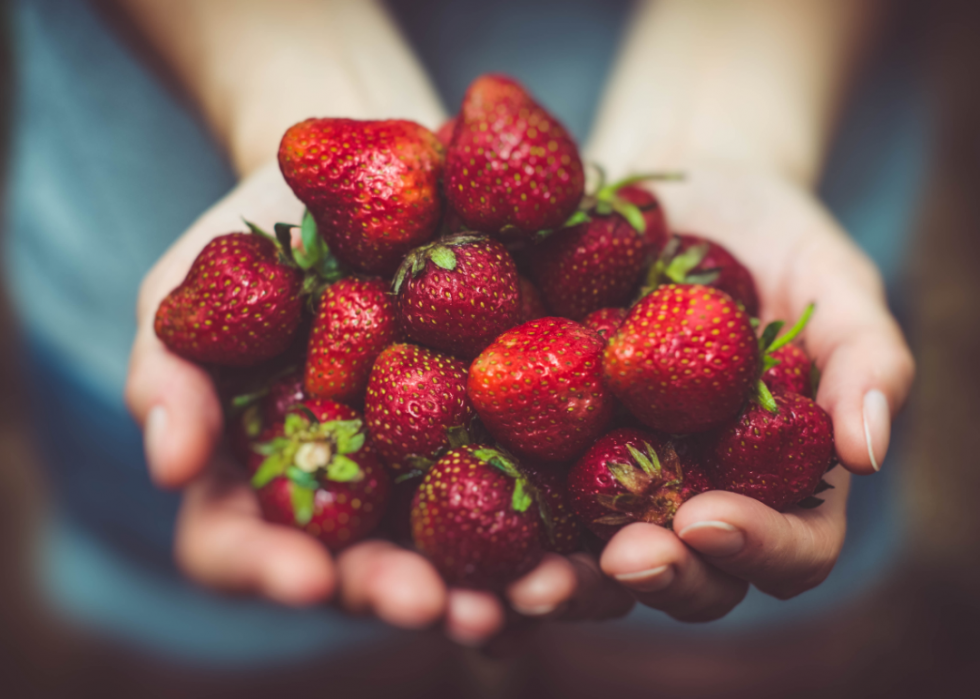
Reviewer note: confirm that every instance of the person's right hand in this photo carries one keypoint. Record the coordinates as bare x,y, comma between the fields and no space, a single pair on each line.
221,539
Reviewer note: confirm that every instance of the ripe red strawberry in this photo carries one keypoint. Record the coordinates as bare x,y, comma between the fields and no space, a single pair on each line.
538,389
794,373
589,266
777,458
564,535
372,186
354,322
457,294
239,305
511,168
632,476
475,517
318,475
685,359
691,259
416,405
606,321
532,307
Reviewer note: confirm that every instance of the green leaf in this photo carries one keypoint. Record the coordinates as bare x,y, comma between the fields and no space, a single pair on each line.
247,399
683,263
609,190
302,499
409,475
822,486
294,424
418,264
418,463
301,477
258,231
576,218
603,208
522,499
497,460
443,257
794,331
704,278
632,213
765,398
309,234
768,362
270,447
400,275
625,475
645,463
284,235
252,421
458,436
769,334
809,503
273,466
343,470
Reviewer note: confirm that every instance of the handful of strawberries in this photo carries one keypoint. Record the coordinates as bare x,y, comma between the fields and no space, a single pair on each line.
461,348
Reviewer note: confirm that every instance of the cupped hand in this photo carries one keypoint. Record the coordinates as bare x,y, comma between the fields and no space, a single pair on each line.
221,539
722,542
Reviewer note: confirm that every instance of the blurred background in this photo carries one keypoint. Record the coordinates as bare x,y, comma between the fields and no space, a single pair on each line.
915,633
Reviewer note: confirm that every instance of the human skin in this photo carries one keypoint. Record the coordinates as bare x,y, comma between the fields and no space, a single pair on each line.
750,134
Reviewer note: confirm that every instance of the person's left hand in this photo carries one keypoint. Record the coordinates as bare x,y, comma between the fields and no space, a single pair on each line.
722,542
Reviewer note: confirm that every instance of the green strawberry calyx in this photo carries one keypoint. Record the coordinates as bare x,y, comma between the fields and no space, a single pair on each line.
310,254
672,267
440,253
769,341
524,494
650,496
456,436
308,453
605,199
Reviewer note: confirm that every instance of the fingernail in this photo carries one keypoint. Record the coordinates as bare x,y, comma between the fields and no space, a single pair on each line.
652,580
877,426
155,438
717,539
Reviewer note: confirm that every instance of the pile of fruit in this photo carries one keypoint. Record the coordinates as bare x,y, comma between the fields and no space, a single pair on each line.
462,349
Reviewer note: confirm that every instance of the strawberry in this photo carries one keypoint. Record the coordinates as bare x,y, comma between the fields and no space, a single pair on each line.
685,359
457,294
354,322
606,321
475,517
794,372
239,305
511,169
317,474
538,389
691,259
589,266
632,476
372,186
778,458
532,307
564,536
598,262
416,405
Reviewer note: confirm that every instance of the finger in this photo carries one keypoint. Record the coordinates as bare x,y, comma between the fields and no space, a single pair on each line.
551,585
398,586
781,554
175,402
867,367
222,542
665,574
473,616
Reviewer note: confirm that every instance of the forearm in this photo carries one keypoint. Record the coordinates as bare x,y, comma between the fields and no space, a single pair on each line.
255,67
751,82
